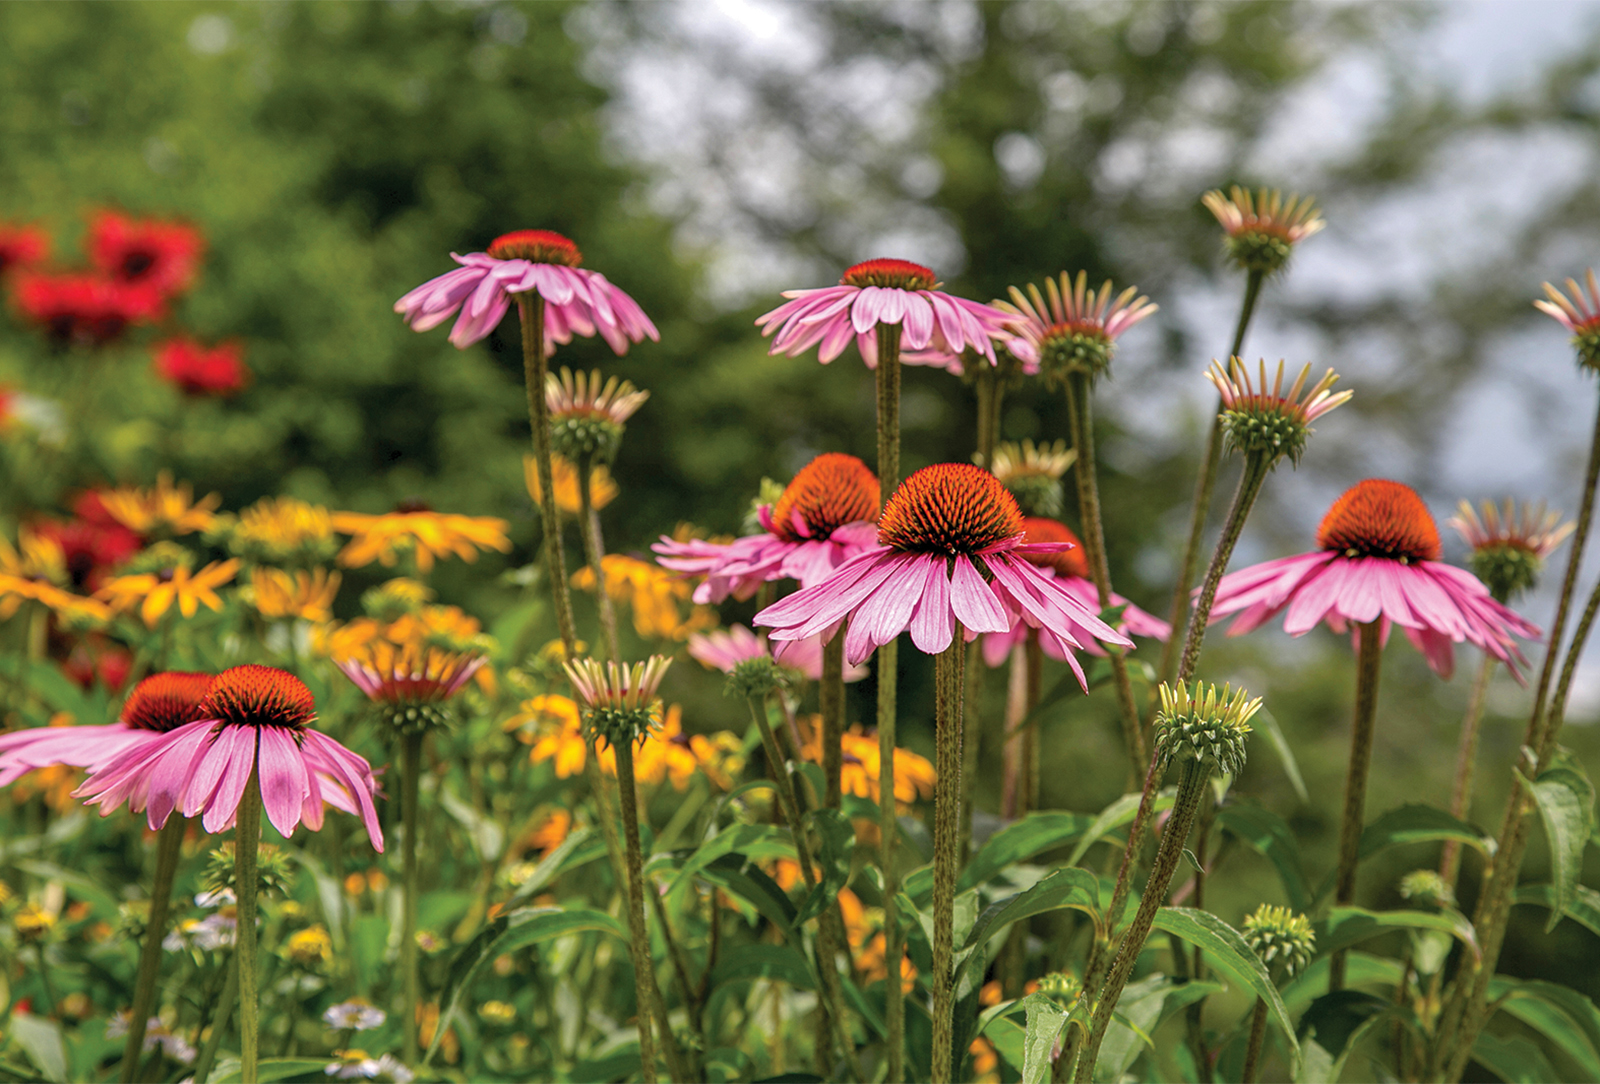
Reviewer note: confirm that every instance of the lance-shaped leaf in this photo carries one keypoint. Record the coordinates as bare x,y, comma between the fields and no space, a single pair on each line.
1566,805
1021,840
1228,955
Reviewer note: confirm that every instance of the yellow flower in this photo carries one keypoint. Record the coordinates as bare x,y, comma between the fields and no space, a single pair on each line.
310,947
602,490
33,922
497,1012
35,557
446,628
282,528
425,535
308,595
549,832
154,593
428,1023
14,590
166,509
652,593
667,753
559,735
55,782
914,776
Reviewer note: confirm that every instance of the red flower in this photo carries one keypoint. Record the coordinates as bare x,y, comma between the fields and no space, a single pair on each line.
93,542
83,308
22,246
98,658
197,370
162,256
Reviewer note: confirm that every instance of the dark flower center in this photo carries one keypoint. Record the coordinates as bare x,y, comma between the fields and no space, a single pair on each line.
252,695
897,274
828,492
166,701
536,246
949,508
1378,518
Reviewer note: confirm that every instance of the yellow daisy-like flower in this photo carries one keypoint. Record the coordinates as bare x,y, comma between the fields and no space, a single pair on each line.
34,557
665,753
155,592
310,947
307,595
914,776
166,509
15,590
277,528
427,536
653,594
446,628
602,489
557,735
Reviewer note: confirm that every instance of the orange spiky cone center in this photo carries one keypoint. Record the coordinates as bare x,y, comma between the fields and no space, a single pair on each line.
828,492
949,508
1065,562
166,701
258,696
536,246
896,274
1378,518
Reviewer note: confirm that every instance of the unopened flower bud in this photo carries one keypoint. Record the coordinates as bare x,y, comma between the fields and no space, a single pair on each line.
1280,936
754,678
1209,726
1262,228
1426,887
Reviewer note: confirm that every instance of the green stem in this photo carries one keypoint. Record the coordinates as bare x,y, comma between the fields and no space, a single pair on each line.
1370,654
168,844
1189,567
595,550
1191,786
888,401
246,840
219,1023
531,308
830,694
1100,954
987,387
1080,412
1256,468
1466,762
1258,1033
949,722
973,726
410,780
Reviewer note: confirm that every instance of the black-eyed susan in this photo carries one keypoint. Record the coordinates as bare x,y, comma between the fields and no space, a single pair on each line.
306,595
425,535
653,595
154,593
602,489
164,510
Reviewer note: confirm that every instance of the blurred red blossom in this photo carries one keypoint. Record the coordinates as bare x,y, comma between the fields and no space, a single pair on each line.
84,309
160,255
93,542
199,370
22,246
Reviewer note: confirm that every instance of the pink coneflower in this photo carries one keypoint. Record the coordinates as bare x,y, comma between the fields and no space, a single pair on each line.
1075,328
881,292
1262,229
409,682
1377,560
1261,417
951,547
576,301
824,518
1508,548
251,717
1579,314
158,705
1069,569
725,649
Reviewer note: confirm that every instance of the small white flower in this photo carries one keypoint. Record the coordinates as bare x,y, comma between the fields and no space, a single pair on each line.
354,1016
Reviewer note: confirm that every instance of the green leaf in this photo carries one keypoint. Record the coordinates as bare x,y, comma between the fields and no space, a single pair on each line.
487,836
1584,907
1361,969
1337,1023
1270,836
1230,957
1045,1020
1561,1014
1515,1061
1115,815
1346,926
783,963
1266,724
270,1069
1022,839
581,846
1140,1010
1419,824
510,932
744,879
753,841
42,1040
1566,805
1073,888
838,841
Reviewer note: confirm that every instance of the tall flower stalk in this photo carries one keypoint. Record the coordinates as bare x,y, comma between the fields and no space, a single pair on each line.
168,843
1260,232
950,721
534,375
1071,335
1202,732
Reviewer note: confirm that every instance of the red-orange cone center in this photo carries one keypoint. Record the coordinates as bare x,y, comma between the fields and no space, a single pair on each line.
254,695
830,491
897,274
1378,518
166,701
536,246
949,508
1065,562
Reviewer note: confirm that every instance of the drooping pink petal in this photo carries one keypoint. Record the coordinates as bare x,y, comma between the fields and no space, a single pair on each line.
223,805
351,772
283,779
972,602
932,627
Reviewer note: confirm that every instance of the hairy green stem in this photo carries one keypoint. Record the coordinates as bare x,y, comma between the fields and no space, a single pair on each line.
950,720
1256,468
168,844
639,935
830,696
1205,484
888,404
1080,411
410,826
1192,783
531,308
246,840
1258,1033
594,551
1370,655
219,1023
1466,762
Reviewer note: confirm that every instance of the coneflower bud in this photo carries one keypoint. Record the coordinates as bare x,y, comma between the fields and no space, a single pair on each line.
1061,986
1280,936
1263,229
754,678
1032,474
1579,314
1427,887
1508,549
586,417
619,702
1270,422
1208,726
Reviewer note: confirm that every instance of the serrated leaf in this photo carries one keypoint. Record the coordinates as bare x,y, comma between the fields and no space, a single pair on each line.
1077,889
1266,724
750,841
1228,955
744,879
1417,823
1565,798
1559,1013
1021,840
1270,836
1045,1020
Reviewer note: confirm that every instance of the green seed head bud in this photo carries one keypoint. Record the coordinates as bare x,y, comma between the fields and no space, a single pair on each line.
1280,936
1264,419
1254,250
1509,544
577,437
755,678
1208,726
274,870
619,702
1426,887
1032,474
1262,227
1071,351
416,717
771,493
1061,986
1506,570
586,416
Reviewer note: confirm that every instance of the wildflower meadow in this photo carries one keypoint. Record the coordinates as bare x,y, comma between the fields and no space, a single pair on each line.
438,641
